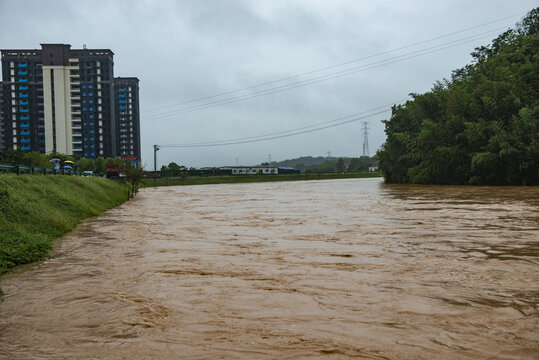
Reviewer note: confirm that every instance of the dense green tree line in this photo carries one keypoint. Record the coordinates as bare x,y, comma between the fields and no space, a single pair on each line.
479,127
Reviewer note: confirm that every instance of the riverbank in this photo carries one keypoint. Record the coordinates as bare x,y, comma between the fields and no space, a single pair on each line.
35,210
236,179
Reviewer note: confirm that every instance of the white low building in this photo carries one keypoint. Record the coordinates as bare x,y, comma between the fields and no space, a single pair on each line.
251,170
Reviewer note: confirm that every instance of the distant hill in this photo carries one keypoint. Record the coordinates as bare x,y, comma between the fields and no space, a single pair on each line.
327,164
306,161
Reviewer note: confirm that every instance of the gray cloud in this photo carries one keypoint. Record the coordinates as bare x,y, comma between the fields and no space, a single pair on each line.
184,50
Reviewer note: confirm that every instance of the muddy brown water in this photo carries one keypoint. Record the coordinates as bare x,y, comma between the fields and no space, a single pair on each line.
298,270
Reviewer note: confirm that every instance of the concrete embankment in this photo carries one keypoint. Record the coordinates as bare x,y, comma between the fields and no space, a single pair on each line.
35,210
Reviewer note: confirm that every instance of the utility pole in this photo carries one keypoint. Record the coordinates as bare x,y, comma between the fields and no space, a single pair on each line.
237,161
155,149
365,139
269,158
329,153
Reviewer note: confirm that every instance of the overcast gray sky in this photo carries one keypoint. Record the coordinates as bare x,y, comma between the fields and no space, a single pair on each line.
187,50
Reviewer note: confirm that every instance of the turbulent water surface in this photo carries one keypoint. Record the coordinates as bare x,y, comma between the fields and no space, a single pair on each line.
330,269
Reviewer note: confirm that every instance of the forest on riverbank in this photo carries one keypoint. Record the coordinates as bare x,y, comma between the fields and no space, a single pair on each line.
479,127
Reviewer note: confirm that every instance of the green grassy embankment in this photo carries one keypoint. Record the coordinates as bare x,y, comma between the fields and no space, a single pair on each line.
35,210
235,179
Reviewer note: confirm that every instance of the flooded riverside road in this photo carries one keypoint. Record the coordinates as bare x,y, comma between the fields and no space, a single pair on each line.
320,269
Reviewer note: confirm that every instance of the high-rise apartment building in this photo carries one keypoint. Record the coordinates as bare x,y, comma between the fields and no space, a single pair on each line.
127,118
59,99
22,109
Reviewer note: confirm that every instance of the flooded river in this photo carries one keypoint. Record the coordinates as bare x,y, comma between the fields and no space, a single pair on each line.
296,270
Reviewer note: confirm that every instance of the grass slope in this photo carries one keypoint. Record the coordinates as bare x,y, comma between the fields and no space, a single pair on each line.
234,179
35,210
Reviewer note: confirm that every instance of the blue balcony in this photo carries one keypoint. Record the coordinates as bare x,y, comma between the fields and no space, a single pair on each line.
22,65
122,107
122,95
23,80
121,89
25,147
23,102
23,87
24,140
42,148
25,132
23,110
23,95
25,125
122,101
23,73
25,117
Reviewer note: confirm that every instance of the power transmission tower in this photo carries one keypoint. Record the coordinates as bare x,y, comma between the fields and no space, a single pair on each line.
269,158
365,138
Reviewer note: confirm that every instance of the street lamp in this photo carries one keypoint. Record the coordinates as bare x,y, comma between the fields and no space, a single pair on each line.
155,149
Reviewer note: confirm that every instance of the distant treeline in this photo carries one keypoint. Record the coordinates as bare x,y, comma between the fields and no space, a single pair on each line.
328,164
479,127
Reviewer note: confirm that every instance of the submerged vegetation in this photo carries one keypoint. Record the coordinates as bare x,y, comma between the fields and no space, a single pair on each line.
480,127
236,179
37,209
